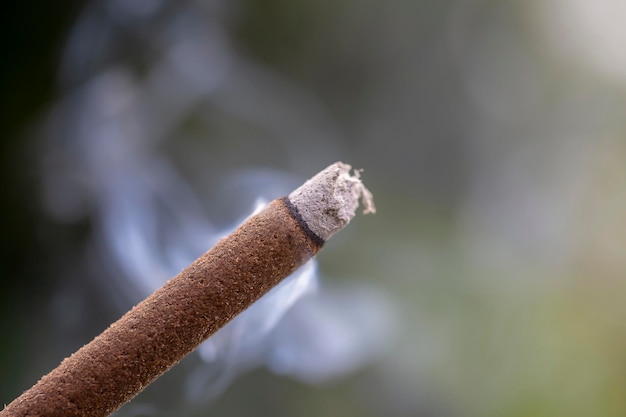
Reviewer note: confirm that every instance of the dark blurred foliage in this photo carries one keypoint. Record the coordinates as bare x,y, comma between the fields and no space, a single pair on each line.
33,34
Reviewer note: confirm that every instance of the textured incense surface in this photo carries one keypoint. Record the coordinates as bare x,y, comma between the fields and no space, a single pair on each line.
158,332
162,329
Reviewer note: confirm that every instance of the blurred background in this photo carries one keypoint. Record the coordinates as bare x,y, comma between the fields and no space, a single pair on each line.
489,283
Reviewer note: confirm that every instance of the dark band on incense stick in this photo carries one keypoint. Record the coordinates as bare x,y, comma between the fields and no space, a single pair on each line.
159,331
303,224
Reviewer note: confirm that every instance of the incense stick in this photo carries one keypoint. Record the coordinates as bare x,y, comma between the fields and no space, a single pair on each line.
159,331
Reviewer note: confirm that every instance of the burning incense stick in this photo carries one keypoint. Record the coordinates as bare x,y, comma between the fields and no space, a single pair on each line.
158,332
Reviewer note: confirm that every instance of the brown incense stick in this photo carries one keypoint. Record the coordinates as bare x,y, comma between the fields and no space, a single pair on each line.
158,332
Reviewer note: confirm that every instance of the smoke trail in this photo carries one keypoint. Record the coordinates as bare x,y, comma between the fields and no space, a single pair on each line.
104,160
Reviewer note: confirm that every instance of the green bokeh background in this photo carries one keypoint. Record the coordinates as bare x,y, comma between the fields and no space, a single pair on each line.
495,154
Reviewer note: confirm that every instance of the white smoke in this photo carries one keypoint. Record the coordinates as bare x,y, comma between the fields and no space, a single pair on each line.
104,161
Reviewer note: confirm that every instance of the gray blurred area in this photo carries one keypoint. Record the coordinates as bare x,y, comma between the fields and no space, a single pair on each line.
489,283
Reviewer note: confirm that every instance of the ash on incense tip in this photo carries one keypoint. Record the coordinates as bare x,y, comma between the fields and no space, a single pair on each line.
328,201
